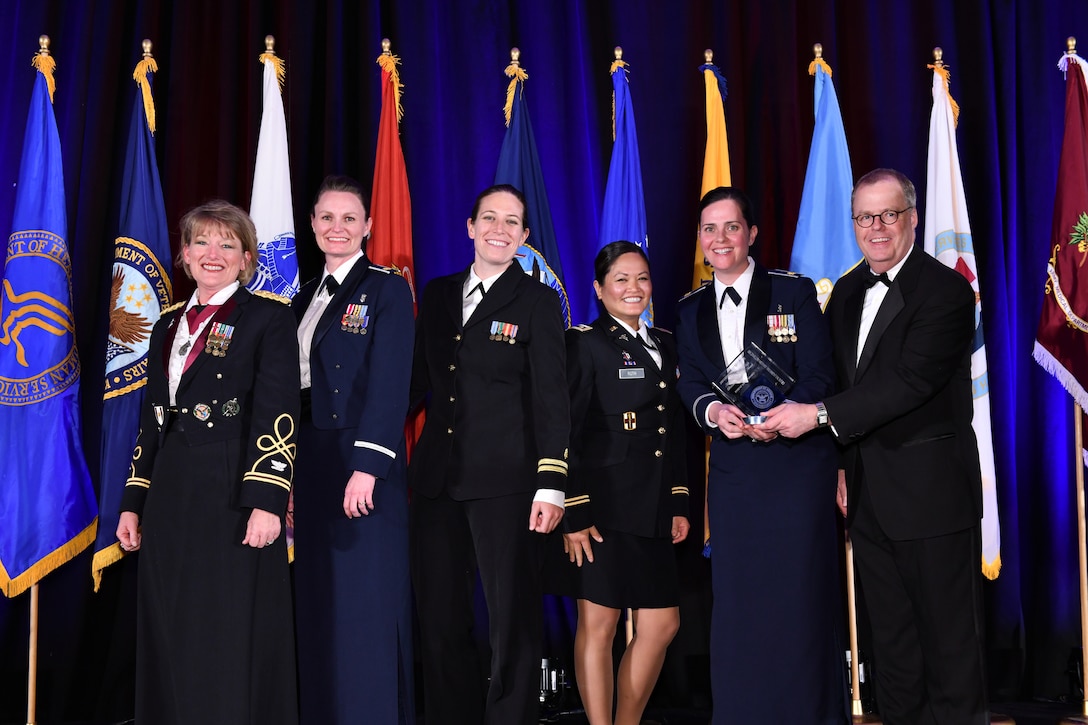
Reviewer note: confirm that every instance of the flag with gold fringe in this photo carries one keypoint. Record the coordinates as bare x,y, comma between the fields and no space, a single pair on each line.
139,288
623,216
1061,343
270,206
948,238
716,157
823,246
519,165
47,503
391,203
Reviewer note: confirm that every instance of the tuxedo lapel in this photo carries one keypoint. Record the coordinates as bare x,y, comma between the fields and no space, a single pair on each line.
228,313
168,339
344,293
502,291
759,304
706,321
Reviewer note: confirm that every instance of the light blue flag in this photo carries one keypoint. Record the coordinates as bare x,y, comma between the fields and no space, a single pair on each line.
519,166
823,247
47,505
623,217
139,288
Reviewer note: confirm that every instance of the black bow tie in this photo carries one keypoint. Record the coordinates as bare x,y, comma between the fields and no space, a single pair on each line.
731,294
331,285
872,279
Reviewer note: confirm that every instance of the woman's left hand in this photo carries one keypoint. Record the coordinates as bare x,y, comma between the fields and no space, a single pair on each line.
263,528
359,495
680,528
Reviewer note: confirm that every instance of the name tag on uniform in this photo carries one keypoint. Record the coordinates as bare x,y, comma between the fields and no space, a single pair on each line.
632,373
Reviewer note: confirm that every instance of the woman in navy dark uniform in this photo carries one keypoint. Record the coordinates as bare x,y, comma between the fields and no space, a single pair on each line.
627,496
776,621
209,485
489,471
352,586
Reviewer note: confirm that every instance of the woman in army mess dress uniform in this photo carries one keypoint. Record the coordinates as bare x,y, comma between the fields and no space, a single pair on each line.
489,471
627,497
352,585
206,497
777,614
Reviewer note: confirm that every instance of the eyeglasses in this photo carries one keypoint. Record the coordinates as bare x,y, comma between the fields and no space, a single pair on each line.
886,217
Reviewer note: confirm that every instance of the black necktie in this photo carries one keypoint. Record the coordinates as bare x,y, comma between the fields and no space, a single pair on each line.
479,286
646,343
731,294
872,279
331,285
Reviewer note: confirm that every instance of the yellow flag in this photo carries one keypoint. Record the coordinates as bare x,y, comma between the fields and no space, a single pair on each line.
716,160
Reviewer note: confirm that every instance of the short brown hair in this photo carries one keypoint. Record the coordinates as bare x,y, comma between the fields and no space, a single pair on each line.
227,217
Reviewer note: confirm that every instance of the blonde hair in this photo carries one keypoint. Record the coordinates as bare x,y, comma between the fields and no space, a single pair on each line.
219,214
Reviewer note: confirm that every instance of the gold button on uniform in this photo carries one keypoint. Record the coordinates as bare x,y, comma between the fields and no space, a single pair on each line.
661,431
452,368
450,431
661,407
661,384
457,338
658,454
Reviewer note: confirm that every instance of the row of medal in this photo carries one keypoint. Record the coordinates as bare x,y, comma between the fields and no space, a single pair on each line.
503,332
355,319
219,336
781,328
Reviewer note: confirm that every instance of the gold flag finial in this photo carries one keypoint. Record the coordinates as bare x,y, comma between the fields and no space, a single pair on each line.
146,65
938,57
387,47
270,44
708,56
269,56
1070,45
146,45
515,56
818,60
43,45
618,52
515,73
44,64
818,51
388,62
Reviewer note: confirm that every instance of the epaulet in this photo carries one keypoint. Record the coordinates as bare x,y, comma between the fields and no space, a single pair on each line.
385,270
662,329
173,307
582,328
271,296
783,273
697,290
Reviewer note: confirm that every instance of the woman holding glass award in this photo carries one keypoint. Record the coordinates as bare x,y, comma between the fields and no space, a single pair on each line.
776,619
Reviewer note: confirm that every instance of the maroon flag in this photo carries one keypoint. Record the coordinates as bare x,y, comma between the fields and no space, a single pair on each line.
1061,345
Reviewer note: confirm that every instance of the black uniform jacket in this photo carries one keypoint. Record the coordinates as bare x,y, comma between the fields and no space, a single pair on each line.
627,469
498,419
360,362
905,410
246,392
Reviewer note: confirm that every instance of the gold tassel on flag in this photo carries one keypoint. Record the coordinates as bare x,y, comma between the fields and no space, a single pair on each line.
145,66
941,69
616,65
44,64
269,56
389,63
516,73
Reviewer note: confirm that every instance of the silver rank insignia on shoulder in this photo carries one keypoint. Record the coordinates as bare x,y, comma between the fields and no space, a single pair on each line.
219,336
355,319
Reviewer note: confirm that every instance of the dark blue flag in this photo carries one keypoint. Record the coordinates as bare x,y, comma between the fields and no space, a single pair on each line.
519,165
623,217
140,287
47,505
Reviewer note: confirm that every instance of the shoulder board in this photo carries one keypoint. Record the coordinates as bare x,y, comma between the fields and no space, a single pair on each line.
582,328
662,329
271,296
783,273
173,307
697,290
385,270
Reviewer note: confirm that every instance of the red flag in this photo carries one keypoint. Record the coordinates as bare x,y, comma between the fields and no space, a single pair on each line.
1061,345
391,204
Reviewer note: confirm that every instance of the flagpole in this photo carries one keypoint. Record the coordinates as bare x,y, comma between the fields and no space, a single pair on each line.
32,673
1078,447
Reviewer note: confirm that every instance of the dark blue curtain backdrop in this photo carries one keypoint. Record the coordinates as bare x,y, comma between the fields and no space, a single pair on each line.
1002,54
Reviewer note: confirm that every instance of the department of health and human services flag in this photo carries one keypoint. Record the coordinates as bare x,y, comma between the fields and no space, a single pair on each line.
140,287
519,166
823,246
716,158
270,208
623,217
1061,344
948,238
47,502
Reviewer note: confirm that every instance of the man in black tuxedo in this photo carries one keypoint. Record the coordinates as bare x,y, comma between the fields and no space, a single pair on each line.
901,326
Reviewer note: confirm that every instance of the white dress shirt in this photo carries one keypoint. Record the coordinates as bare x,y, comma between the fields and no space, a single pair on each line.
187,338
874,297
313,313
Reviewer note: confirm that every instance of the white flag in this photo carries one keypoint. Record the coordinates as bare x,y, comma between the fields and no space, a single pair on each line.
948,238
277,267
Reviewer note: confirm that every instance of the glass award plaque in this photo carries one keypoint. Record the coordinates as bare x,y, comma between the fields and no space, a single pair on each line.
754,383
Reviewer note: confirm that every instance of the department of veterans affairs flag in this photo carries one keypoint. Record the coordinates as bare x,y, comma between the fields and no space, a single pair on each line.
47,502
716,157
623,217
139,289
270,208
519,166
948,238
1061,344
823,246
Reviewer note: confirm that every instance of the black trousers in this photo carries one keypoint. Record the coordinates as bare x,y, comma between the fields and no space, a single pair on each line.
924,602
450,540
